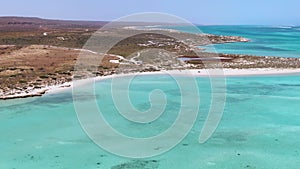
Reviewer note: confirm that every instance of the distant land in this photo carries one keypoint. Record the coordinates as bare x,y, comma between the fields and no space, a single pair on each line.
12,23
36,54
35,24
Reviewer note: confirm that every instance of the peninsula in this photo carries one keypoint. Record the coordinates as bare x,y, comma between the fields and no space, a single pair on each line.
37,55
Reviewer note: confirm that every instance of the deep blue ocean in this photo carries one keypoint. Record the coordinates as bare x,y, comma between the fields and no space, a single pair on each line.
260,127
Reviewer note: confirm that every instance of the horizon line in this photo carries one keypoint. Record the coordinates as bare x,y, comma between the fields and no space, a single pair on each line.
93,20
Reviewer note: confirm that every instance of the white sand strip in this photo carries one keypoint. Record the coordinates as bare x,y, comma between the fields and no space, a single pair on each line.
189,72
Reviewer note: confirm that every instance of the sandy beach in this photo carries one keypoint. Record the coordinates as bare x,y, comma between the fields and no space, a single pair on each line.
189,72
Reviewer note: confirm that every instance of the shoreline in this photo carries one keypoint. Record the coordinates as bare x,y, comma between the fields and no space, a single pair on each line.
187,72
33,70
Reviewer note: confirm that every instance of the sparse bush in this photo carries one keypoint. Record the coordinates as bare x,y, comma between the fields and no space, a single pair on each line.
44,77
22,81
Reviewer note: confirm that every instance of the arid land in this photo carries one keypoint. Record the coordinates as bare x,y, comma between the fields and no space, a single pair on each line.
36,53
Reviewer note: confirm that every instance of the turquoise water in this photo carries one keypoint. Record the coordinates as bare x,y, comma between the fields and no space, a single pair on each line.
283,41
259,129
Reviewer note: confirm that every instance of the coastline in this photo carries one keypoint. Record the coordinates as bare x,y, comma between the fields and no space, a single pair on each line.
187,72
39,76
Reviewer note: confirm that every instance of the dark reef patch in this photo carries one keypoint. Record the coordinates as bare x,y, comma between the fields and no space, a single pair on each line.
138,164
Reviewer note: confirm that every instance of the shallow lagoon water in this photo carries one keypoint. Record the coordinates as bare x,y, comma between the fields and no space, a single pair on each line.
260,128
282,41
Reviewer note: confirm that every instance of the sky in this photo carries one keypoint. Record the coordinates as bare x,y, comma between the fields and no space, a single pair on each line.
207,12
